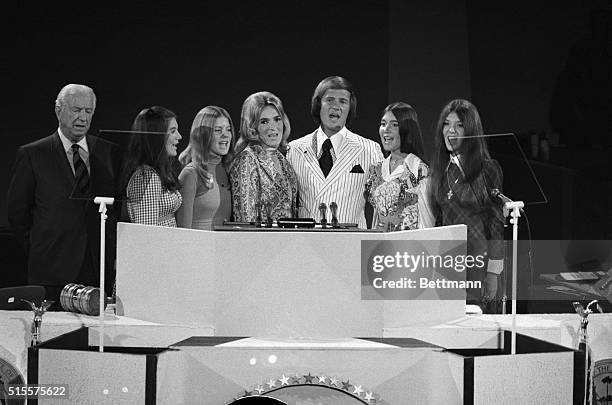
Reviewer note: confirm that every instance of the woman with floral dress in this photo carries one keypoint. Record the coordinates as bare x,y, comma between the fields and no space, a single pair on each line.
396,187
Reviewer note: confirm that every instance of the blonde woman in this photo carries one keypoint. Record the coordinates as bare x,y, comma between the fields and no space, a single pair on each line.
263,182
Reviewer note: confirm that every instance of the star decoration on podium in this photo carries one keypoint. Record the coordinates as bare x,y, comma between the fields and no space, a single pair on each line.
356,391
284,380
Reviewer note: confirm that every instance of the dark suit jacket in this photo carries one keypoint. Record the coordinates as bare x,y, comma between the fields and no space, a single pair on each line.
54,228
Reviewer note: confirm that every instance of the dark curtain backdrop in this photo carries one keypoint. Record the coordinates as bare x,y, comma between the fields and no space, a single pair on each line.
527,66
184,58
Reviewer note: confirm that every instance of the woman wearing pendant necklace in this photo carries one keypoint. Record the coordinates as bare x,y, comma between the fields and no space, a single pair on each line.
396,187
463,173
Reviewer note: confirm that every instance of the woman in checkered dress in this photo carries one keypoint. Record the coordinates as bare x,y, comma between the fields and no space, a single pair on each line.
463,175
152,189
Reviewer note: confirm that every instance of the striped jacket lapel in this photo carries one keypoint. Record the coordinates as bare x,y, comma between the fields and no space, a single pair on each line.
310,159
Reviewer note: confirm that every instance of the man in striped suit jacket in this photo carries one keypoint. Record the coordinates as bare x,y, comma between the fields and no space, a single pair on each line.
333,104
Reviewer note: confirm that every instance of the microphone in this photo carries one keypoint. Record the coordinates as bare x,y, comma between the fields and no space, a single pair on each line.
504,199
334,210
268,209
322,212
498,194
258,217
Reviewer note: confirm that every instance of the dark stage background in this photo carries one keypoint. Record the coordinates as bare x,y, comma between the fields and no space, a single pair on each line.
529,67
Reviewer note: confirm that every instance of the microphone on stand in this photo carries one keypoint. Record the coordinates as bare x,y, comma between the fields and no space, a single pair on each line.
334,211
322,212
268,209
258,217
503,198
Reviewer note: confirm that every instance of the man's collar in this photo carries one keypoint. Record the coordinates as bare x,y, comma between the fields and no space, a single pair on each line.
336,139
67,143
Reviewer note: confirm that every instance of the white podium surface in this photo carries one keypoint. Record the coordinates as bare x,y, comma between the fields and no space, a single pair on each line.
273,284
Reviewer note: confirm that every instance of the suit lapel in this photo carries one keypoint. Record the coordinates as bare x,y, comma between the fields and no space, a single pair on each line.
93,163
60,157
310,158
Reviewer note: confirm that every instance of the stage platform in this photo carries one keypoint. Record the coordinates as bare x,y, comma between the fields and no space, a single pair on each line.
462,334
284,313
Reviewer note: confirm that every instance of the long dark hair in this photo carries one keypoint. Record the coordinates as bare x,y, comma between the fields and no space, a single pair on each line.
473,154
411,138
147,146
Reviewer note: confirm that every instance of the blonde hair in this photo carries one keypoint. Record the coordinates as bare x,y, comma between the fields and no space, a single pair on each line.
249,120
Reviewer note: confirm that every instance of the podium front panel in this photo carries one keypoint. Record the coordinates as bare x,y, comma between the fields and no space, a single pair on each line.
275,284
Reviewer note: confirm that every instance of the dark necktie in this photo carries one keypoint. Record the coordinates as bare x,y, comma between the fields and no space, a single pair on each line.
81,176
325,161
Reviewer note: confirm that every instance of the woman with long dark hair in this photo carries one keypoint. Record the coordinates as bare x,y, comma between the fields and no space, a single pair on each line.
396,187
152,189
463,175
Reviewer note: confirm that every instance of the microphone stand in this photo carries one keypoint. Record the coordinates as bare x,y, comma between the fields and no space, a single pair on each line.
514,207
103,201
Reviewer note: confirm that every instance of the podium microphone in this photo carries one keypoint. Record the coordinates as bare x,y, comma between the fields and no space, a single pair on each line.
334,211
498,194
323,212
503,198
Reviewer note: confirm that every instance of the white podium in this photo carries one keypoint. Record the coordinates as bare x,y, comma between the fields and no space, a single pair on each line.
285,284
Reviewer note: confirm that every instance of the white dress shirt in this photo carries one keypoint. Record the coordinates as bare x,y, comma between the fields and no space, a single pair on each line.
83,150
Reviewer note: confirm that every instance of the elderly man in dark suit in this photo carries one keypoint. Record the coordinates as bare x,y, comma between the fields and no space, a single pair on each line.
50,198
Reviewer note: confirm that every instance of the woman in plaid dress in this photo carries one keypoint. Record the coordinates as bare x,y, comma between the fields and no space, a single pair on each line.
152,189
463,175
